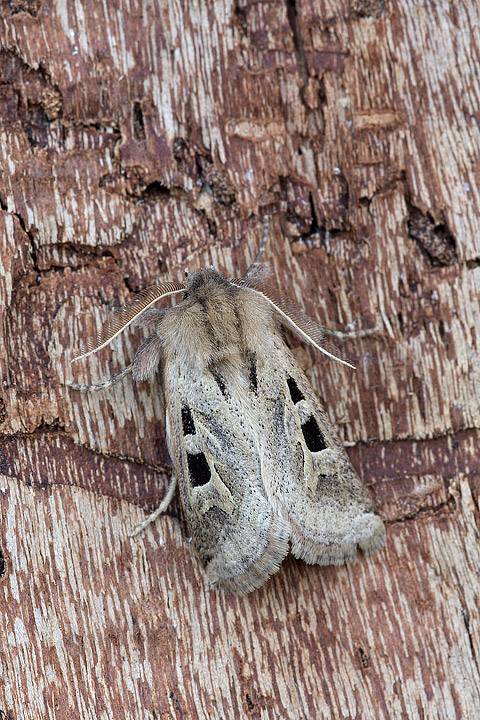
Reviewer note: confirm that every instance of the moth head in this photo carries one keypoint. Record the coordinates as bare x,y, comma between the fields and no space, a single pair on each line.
201,285
205,327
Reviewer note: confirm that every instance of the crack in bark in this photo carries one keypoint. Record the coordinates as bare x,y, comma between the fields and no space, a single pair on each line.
446,455
292,14
28,233
432,511
314,117
470,635
30,7
138,122
9,452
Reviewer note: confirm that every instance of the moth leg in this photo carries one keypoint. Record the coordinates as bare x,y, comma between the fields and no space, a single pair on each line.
160,509
101,386
254,267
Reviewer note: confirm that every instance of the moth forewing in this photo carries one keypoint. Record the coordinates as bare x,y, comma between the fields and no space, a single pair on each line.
259,465
307,474
239,538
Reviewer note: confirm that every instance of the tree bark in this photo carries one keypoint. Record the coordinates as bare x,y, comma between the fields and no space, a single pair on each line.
141,139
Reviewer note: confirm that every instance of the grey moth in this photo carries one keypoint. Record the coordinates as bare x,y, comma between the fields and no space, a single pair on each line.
260,468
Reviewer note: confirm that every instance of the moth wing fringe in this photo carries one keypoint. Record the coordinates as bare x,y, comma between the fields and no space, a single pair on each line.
340,553
315,554
376,540
276,549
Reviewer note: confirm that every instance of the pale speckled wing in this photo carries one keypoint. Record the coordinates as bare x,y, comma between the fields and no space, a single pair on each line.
257,462
213,436
306,472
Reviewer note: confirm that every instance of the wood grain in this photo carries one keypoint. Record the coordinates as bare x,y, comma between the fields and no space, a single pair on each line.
137,140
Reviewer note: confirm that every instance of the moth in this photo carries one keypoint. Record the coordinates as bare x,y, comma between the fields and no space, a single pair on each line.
260,468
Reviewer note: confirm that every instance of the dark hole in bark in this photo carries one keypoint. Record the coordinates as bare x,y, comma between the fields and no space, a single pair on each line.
363,657
138,124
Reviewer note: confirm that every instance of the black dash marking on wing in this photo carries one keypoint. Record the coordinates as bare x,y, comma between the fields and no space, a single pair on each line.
219,380
198,468
187,421
253,376
295,393
313,436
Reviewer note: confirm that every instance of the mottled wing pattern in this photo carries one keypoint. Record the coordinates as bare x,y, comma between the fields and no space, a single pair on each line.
212,432
257,461
306,472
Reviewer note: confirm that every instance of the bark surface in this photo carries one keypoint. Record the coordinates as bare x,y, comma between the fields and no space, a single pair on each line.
139,139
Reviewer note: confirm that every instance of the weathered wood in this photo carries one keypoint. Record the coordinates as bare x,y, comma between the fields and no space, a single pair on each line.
141,139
